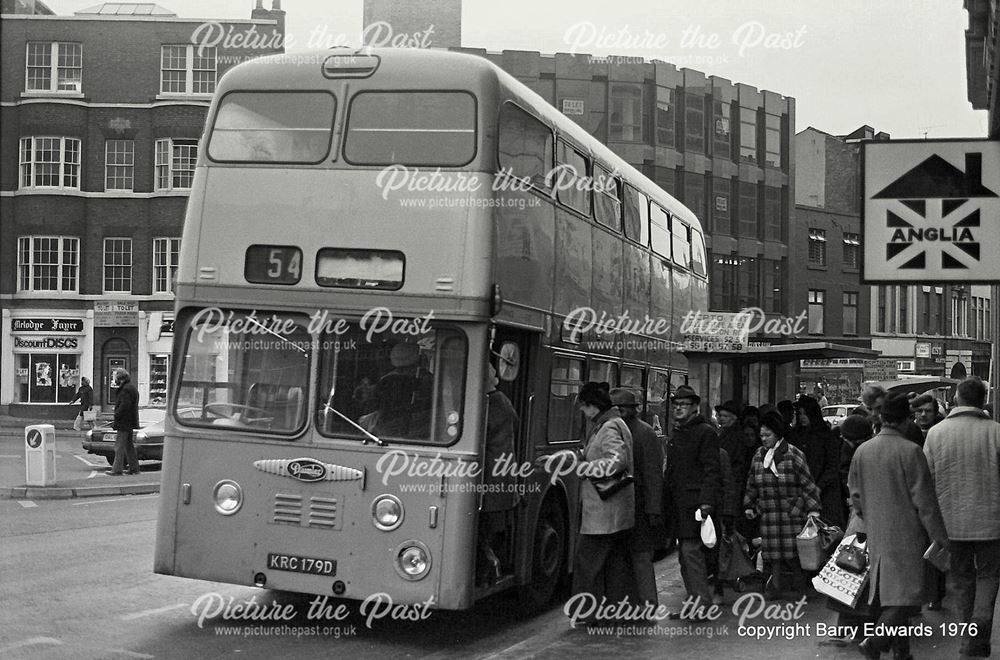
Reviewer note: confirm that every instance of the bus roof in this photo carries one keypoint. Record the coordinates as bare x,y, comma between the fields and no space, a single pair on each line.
443,69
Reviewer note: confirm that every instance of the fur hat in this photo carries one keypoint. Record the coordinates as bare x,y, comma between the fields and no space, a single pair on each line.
595,394
774,422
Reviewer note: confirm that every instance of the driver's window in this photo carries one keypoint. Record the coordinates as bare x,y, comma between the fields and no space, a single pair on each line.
237,375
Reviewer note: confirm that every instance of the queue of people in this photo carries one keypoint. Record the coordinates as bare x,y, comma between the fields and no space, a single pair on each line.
897,471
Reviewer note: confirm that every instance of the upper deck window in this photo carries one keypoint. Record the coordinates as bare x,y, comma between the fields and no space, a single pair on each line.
411,128
571,181
659,231
273,127
525,145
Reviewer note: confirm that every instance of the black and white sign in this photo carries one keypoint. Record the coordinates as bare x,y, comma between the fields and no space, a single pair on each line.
932,211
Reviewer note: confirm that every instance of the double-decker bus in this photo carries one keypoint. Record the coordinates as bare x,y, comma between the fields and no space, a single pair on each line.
352,264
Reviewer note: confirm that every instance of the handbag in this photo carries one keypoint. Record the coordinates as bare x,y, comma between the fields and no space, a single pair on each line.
608,486
844,586
809,546
830,537
90,415
853,557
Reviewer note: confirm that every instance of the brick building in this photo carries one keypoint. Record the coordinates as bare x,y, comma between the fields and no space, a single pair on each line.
101,115
927,330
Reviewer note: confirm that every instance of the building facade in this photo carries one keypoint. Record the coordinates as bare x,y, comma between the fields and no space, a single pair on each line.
101,116
924,329
982,57
721,148
825,261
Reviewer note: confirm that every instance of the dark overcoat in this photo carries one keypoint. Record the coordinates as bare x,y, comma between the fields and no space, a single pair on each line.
891,488
781,502
647,454
692,477
821,447
126,407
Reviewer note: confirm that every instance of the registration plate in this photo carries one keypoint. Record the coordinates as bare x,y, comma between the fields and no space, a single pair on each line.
299,564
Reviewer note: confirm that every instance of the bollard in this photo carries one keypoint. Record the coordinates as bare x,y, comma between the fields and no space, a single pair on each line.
40,455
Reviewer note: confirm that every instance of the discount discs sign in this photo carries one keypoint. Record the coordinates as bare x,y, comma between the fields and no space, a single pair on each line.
931,211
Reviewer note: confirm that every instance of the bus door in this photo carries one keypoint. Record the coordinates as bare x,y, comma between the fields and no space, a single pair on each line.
509,356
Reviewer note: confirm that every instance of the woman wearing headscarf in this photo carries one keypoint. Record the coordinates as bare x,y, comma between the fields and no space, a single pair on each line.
821,447
781,492
601,567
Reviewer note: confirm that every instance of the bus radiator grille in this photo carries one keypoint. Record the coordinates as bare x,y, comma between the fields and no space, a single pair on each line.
323,512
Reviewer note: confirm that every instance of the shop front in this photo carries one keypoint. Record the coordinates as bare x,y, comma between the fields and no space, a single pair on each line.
43,358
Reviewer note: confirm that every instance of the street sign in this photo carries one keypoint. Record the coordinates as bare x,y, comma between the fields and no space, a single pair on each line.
881,369
715,332
931,211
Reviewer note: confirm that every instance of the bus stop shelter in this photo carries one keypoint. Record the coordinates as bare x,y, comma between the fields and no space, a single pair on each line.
762,373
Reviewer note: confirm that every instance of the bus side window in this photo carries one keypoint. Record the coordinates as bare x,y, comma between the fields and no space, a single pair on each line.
659,231
571,180
607,198
525,146
636,215
565,422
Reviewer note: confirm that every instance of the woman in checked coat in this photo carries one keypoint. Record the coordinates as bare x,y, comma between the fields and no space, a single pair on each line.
781,492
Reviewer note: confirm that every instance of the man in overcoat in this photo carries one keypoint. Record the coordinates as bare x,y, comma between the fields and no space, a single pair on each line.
647,454
125,422
963,452
693,482
892,490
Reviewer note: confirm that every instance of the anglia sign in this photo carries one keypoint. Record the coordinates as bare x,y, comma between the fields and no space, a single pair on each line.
931,211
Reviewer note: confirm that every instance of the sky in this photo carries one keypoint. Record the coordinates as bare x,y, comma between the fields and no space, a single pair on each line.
896,65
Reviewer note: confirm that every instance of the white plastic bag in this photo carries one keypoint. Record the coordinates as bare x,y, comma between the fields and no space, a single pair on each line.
707,530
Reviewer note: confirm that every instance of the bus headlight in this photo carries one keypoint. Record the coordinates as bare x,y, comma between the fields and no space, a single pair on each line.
228,497
413,560
387,512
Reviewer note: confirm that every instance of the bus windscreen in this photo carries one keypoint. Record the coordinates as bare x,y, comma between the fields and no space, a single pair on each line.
273,127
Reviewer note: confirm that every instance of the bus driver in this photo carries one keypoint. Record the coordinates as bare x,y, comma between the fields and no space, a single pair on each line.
403,395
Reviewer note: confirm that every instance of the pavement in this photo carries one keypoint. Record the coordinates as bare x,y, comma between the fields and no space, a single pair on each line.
77,473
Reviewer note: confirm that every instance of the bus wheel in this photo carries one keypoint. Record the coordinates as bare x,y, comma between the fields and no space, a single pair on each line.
548,558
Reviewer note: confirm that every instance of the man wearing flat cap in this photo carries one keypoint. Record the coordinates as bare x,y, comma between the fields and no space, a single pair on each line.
647,457
693,483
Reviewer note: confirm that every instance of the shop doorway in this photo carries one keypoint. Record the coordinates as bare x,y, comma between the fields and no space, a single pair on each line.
114,355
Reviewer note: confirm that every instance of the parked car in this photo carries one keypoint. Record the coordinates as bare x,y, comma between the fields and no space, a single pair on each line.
148,439
836,413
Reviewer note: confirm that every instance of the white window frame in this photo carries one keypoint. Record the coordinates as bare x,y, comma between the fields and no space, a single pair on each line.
28,166
127,277
166,162
56,82
26,278
191,53
166,261
126,168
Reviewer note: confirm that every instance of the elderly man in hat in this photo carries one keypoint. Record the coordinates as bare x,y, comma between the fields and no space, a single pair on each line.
647,457
893,492
693,484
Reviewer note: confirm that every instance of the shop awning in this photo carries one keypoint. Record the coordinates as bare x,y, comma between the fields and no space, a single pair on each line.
782,353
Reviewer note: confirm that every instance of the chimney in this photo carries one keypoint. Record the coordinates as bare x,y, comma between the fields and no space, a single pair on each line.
974,170
275,5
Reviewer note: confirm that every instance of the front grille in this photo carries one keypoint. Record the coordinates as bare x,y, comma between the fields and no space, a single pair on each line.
319,512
